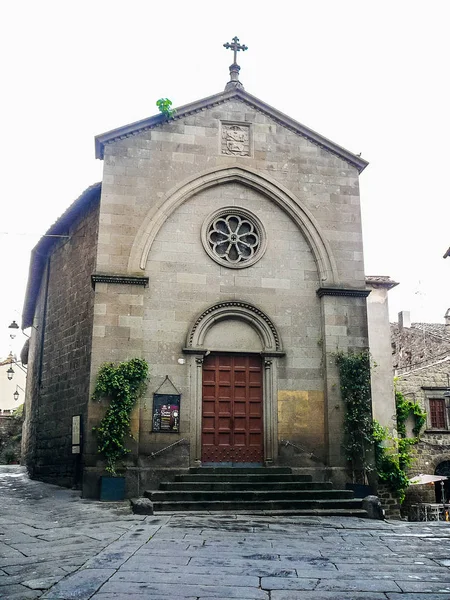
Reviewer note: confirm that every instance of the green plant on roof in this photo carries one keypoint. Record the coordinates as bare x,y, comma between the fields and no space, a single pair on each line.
165,107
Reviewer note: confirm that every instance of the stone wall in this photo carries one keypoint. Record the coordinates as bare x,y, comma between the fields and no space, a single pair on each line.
389,502
419,345
60,353
150,224
428,379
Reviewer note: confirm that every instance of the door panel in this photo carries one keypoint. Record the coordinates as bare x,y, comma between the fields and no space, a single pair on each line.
232,419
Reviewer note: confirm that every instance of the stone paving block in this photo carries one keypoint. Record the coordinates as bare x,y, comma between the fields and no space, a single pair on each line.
8,552
419,596
306,595
246,564
142,533
390,568
424,586
49,549
9,580
274,571
445,562
138,562
213,578
79,586
139,596
18,592
113,556
291,583
183,591
36,565
43,583
358,585
381,560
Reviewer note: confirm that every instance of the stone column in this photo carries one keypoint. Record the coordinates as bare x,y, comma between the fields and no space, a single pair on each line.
383,399
344,328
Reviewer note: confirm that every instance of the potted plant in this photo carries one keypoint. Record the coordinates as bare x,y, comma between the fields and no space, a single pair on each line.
122,384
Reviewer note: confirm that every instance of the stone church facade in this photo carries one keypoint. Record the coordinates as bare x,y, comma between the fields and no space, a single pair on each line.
224,246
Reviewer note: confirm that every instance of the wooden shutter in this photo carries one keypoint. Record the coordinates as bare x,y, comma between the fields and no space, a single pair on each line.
437,413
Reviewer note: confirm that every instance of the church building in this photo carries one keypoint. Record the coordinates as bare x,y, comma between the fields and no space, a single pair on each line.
223,246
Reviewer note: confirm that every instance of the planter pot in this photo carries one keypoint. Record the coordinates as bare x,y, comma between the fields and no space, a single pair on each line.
360,490
112,489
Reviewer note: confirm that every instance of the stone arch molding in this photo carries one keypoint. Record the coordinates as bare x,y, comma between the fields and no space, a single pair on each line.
256,318
272,189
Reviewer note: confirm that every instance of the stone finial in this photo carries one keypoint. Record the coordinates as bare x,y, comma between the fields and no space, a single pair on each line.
447,317
234,68
404,319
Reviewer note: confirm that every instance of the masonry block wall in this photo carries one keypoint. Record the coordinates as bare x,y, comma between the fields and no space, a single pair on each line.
434,446
60,353
141,175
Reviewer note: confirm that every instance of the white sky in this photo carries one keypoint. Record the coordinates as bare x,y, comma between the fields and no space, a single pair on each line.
370,75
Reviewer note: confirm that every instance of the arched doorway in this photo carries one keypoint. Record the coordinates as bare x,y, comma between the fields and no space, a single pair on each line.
236,347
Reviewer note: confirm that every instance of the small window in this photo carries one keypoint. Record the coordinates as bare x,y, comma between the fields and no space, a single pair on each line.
437,413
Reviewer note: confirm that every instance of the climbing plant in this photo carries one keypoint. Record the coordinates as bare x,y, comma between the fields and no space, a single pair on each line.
393,456
404,408
354,376
165,107
122,384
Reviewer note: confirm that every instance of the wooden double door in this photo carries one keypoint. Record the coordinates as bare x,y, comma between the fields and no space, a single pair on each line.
232,409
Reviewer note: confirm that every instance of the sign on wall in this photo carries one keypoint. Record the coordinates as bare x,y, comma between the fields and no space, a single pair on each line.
76,434
166,413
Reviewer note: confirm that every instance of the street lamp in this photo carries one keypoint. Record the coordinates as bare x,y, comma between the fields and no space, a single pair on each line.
10,373
13,333
16,393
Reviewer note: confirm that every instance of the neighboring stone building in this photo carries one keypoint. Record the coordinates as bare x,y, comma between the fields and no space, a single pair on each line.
421,361
224,246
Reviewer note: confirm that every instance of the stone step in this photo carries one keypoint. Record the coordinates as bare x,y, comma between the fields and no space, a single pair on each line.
242,470
227,485
332,507
250,477
248,495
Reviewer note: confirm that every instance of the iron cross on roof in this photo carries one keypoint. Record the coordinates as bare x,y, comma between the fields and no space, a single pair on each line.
235,46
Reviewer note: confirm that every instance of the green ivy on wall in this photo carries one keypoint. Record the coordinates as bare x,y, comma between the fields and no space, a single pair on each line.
393,456
354,376
369,446
122,384
404,408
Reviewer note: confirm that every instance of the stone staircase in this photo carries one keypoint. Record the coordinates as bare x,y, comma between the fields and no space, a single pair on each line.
249,489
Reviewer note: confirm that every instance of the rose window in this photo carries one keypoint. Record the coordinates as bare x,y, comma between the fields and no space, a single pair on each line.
234,236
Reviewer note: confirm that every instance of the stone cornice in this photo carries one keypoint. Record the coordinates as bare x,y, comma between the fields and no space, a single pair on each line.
380,281
119,279
200,105
336,291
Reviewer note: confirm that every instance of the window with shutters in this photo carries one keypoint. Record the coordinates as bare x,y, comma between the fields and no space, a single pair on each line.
437,413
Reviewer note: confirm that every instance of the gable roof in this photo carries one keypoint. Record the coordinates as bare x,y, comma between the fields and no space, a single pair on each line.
41,251
188,109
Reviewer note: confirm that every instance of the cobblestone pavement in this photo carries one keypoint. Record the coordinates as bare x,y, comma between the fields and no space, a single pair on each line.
55,546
